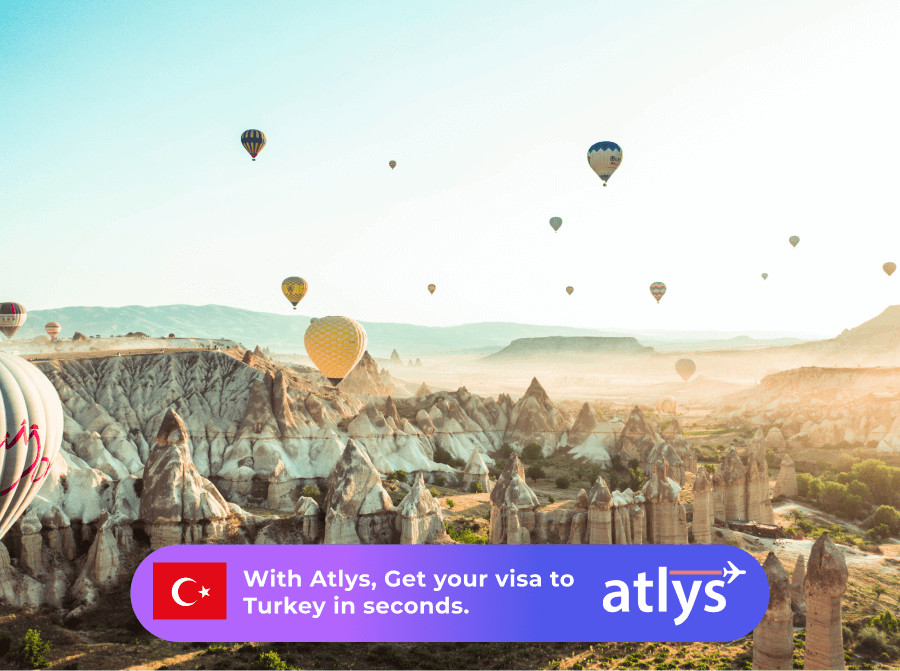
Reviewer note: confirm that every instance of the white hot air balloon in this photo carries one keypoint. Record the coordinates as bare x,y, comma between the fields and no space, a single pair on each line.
31,426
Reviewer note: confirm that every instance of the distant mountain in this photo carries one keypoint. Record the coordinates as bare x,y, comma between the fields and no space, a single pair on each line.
284,333
582,348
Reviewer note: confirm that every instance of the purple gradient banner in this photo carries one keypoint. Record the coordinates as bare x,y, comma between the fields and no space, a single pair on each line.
434,593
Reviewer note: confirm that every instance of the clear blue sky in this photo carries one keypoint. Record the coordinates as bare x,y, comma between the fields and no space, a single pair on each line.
741,123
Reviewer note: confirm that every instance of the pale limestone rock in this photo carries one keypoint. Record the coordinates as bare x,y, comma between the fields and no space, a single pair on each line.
535,418
511,499
176,497
702,508
421,521
787,478
757,491
798,595
773,637
16,588
824,585
673,434
735,478
718,496
666,516
26,541
775,440
358,510
476,471
599,514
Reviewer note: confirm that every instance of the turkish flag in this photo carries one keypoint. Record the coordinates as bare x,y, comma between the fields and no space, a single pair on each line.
189,591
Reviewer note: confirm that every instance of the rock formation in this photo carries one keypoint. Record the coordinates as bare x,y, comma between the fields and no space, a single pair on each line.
637,438
599,514
773,637
395,359
666,516
419,363
700,527
420,515
735,478
358,510
423,390
591,437
775,440
476,471
366,379
178,505
786,485
79,337
512,506
798,594
824,585
536,419
673,434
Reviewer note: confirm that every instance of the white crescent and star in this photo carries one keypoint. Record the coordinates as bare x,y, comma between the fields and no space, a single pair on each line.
204,591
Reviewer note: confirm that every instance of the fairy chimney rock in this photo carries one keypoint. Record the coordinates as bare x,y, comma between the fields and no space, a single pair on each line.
773,637
825,584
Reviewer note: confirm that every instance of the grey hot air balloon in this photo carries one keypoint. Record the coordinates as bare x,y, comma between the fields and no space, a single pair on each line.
556,222
793,240
765,276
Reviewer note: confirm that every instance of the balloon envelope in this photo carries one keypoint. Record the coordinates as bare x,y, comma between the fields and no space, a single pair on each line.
685,368
12,316
765,276
31,420
431,288
393,164
556,222
335,345
52,329
253,141
569,290
294,289
658,290
604,158
793,240
889,268
666,404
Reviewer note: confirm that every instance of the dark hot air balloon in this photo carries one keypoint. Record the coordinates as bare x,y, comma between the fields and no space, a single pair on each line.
569,290
393,164
254,141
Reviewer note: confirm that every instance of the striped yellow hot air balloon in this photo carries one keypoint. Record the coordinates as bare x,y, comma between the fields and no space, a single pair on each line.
335,345
254,141
294,289
569,290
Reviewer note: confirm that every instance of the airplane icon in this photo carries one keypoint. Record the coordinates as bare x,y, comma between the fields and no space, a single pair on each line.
734,572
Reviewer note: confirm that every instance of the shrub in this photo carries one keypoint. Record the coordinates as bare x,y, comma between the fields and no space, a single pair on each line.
562,482
440,481
399,476
771,459
270,660
710,468
312,491
435,493
632,464
476,488
464,535
551,499
613,481
637,479
889,517
442,456
879,533
451,504
887,623
505,451
5,643
872,643
30,654
534,472
616,462
532,452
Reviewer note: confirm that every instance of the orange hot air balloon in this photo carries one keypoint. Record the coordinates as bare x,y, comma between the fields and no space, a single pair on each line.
431,288
889,268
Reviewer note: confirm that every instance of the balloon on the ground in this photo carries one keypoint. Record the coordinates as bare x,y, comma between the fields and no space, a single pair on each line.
604,158
393,164
555,222
335,345
889,268
685,368
431,288
12,316
793,240
765,276
569,290
658,290
31,421
294,289
666,404
254,141
52,329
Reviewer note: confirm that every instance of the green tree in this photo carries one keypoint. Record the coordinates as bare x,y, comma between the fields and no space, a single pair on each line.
562,482
535,472
505,452
637,479
531,452
616,462
30,654
476,488
889,517
860,489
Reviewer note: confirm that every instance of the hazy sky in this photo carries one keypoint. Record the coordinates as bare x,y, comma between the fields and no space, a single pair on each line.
741,124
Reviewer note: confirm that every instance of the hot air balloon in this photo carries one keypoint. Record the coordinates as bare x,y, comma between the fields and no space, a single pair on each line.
313,320
569,290
685,368
31,420
393,164
765,276
793,240
666,404
604,158
52,329
254,141
658,289
294,289
889,268
556,222
432,287
335,345
12,316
